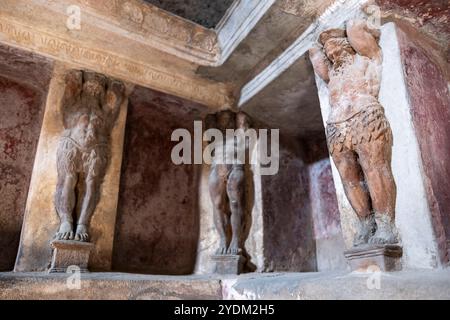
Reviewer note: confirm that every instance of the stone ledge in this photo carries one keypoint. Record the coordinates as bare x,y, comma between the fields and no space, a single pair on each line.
108,286
418,284
403,285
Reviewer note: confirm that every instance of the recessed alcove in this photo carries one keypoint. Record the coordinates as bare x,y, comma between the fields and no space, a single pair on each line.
24,79
157,221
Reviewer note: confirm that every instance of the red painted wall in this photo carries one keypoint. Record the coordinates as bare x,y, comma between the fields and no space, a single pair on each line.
289,244
21,112
430,104
158,221
24,80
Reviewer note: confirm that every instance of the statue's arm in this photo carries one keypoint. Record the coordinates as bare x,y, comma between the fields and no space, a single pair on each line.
115,95
320,63
364,39
72,92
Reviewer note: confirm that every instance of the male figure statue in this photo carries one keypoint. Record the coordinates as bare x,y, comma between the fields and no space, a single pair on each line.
358,133
227,184
90,106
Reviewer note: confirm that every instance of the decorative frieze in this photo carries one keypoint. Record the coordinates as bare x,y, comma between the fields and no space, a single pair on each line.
211,94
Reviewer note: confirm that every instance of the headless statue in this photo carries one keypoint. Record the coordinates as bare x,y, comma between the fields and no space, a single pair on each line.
90,107
358,133
227,185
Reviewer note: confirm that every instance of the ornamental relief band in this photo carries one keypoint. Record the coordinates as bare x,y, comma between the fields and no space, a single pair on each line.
160,80
154,20
358,134
90,107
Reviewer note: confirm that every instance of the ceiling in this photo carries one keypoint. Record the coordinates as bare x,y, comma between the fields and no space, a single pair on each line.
204,12
289,103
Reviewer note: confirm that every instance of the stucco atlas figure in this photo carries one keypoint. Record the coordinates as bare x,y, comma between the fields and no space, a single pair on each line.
227,189
90,105
358,134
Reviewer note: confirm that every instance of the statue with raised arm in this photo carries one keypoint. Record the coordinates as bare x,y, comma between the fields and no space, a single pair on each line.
227,183
90,107
358,134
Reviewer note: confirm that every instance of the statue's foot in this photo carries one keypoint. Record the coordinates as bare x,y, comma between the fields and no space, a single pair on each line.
384,236
234,248
385,233
82,233
366,231
222,248
65,231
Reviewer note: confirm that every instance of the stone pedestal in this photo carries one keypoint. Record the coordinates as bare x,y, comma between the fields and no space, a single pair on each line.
68,253
228,264
385,257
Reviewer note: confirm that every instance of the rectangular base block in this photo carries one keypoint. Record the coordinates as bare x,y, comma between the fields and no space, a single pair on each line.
67,253
385,257
228,264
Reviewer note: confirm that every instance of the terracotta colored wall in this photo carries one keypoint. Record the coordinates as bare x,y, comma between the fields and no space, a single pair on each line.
430,103
158,223
21,111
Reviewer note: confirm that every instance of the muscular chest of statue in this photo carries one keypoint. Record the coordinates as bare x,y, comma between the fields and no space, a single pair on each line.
231,148
88,126
354,84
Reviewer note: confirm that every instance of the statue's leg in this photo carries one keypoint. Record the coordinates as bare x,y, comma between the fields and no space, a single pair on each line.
65,197
355,189
375,158
65,203
95,167
217,191
88,205
236,195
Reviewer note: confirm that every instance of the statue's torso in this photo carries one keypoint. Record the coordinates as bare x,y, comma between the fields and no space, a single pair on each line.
88,131
353,86
233,150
